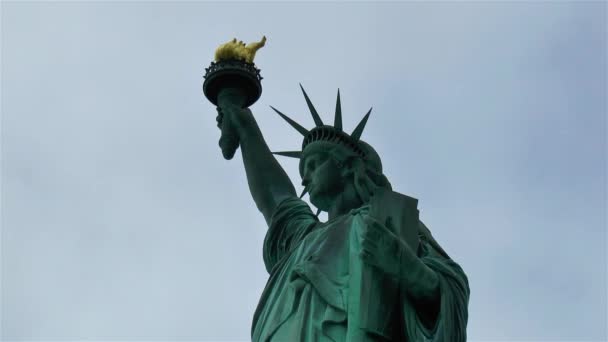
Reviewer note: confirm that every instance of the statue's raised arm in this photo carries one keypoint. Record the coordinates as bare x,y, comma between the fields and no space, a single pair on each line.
268,182
372,271
233,83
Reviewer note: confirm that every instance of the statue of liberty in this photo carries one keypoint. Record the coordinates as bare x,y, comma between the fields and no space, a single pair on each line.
372,271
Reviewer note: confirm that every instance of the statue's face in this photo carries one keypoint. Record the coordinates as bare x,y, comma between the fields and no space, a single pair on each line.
324,177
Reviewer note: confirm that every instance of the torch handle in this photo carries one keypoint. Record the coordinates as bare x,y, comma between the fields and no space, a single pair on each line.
229,140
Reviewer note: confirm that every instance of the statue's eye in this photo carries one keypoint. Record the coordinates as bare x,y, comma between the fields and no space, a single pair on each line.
312,164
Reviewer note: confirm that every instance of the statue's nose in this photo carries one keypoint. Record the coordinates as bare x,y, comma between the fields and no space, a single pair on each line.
305,181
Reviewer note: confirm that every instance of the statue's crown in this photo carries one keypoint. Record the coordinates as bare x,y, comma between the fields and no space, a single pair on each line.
322,132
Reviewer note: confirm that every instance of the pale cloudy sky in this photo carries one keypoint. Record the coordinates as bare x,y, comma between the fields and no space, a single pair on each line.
122,221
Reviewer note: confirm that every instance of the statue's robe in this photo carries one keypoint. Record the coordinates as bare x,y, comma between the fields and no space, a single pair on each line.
307,295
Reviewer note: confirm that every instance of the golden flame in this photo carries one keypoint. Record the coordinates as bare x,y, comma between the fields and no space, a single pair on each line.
238,50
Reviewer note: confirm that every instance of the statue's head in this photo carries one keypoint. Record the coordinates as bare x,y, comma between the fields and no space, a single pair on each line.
328,169
332,161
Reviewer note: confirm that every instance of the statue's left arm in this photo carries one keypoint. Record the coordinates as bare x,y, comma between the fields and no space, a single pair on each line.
434,288
421,284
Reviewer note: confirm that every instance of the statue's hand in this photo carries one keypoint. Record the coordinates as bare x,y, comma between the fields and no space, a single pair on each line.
380,247
239,117
383,249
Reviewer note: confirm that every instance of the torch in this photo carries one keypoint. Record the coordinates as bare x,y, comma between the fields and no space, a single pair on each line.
233,79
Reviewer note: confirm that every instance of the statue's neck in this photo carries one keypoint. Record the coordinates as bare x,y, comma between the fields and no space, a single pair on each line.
345,202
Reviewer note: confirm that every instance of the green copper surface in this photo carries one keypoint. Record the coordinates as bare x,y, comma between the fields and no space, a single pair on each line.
372,272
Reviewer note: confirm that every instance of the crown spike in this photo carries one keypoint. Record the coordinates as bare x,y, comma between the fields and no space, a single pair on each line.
338,116
356,134
313,111
318,212
292,154
293,124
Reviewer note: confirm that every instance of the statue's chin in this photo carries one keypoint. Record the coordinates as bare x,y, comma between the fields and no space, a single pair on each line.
319,201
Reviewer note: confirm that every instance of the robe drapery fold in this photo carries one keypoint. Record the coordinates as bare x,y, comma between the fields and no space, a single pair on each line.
310,288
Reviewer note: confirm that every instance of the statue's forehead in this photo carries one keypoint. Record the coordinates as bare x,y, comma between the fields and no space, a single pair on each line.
323,147
320,153
315,153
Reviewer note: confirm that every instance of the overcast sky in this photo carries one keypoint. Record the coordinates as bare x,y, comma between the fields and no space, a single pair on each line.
122,221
